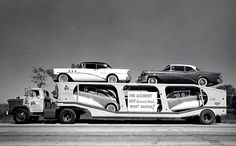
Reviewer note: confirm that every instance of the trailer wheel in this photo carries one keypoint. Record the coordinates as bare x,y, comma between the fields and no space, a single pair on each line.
207,117
67,116
21,116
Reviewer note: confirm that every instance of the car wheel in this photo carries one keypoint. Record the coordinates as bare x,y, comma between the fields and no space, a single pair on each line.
207,117
152,80
67,116
112,79
111,107
202,82
63,78
21,116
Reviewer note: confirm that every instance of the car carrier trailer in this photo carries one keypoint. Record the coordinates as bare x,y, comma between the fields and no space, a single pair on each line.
121,100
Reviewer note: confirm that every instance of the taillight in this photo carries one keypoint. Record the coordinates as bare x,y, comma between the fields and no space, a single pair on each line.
128,73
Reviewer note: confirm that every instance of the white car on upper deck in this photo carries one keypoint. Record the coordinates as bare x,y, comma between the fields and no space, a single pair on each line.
91,72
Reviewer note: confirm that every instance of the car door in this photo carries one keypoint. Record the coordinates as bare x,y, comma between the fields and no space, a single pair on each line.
177,75
88,73
102,72
190,75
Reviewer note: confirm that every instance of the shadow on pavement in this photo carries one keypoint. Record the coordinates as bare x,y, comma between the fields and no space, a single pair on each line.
123,121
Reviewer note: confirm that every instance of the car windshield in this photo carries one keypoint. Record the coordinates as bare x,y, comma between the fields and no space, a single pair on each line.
167,68
198,69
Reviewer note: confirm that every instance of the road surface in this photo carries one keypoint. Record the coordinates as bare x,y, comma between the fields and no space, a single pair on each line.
117,134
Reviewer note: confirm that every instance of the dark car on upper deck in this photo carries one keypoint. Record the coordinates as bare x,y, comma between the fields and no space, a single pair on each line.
180,74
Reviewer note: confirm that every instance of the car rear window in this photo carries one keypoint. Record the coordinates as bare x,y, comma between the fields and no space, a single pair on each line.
189,69
99,66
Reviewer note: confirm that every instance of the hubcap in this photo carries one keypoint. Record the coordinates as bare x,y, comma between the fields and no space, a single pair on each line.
63,78
152,80
21,116
207,117
112,79
67,117
111,108
202,82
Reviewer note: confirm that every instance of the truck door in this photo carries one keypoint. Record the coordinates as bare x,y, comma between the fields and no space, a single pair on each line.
35,100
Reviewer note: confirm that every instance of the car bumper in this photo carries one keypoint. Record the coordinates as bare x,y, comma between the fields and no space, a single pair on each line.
124,78
215,81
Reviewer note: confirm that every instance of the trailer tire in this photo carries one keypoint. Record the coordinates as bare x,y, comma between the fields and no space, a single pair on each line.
21,116
67,116
207,117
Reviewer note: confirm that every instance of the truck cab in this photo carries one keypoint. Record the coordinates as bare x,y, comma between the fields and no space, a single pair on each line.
30,106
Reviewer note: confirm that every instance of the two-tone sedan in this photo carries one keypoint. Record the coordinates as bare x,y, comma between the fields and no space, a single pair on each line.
92,72
180,74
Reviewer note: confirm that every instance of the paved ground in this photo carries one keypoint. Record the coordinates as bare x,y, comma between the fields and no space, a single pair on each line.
118,134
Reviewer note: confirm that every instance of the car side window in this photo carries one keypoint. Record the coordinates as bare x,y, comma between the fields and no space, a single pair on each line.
189,69
167,68
91,66
178,68
100,66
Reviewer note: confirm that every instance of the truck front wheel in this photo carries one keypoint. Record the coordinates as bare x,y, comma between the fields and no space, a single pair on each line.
21,116
67,116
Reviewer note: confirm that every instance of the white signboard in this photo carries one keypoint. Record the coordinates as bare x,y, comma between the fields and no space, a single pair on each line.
142,101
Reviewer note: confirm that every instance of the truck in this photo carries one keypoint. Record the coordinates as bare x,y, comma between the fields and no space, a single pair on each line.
120,101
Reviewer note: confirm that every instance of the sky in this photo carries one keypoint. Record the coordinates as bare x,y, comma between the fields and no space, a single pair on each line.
131,34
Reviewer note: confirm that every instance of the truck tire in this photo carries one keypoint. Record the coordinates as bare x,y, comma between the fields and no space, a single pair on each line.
207,117
21,116
67,116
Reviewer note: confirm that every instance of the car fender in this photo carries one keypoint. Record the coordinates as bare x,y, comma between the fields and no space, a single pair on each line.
202,76
70,78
